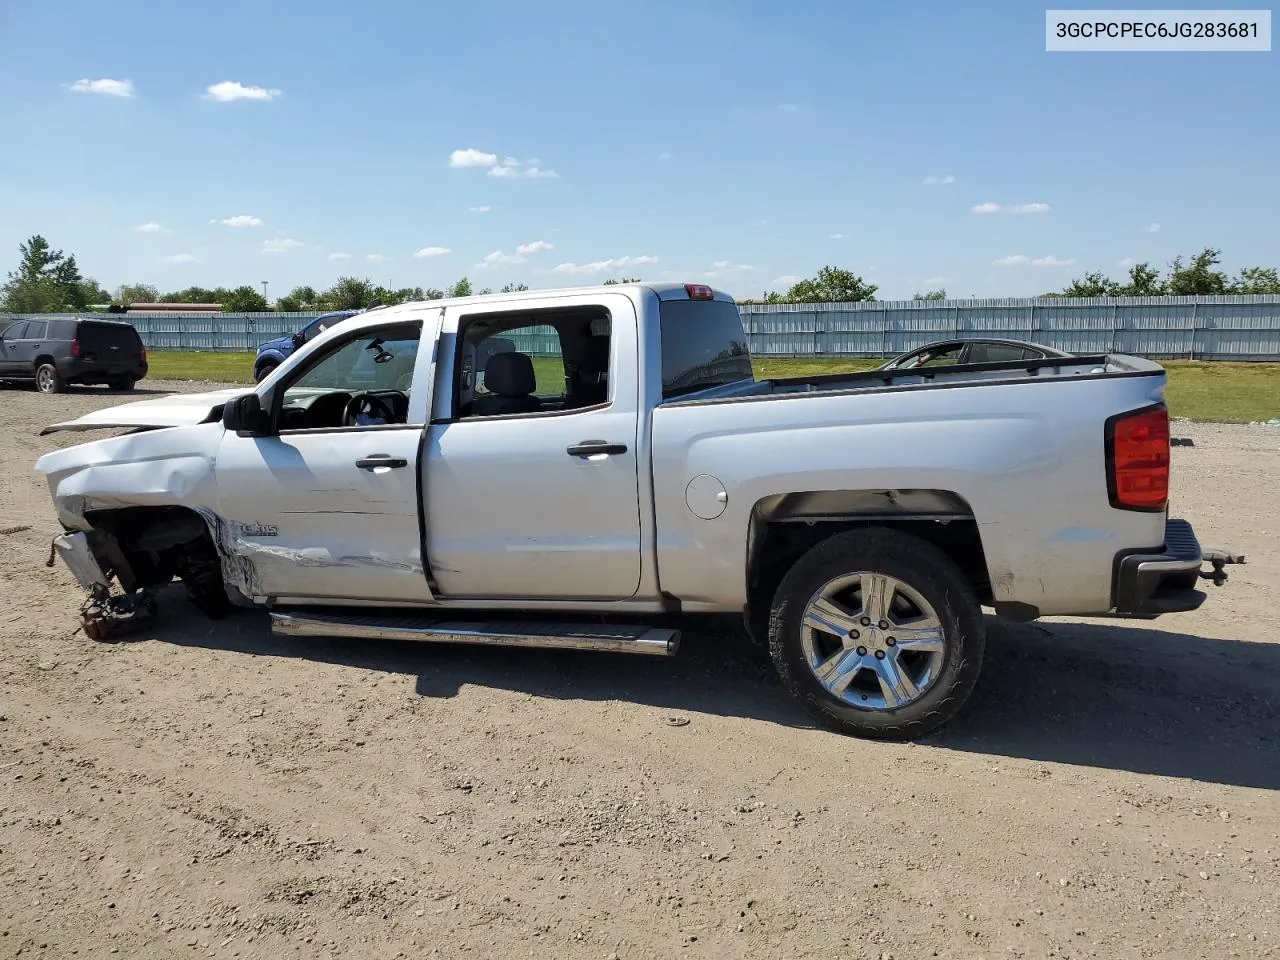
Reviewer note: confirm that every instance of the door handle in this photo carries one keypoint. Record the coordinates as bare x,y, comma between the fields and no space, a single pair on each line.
381,460
589,448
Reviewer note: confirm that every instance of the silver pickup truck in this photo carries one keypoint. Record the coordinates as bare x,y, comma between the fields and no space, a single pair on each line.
597,468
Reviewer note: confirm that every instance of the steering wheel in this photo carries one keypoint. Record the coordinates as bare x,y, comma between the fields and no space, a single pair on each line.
369,404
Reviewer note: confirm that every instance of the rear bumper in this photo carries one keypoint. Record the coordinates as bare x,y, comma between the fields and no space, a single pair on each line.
1149,583
74,368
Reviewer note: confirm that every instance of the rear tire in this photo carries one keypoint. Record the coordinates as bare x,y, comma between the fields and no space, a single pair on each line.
900,673
264,371
121,384
48,379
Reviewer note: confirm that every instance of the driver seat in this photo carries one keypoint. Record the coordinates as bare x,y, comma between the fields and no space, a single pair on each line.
510,380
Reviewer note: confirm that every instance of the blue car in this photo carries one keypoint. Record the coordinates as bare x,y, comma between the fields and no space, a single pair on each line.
273,353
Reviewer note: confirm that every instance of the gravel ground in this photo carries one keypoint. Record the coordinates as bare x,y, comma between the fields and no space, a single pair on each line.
209,790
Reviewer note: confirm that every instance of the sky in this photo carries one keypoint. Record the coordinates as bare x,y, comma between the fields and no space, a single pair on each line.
738,142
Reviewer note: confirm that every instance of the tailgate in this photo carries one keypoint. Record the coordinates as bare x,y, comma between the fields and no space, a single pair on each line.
115,344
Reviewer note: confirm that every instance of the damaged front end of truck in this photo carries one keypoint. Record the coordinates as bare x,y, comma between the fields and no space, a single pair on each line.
137,511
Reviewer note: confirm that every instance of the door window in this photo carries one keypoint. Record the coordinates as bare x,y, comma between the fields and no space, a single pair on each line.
37,330
363,381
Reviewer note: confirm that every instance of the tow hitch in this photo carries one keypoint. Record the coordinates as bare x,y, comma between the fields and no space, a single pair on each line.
1219,559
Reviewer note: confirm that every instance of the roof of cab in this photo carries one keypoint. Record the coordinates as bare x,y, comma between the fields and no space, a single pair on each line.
664,290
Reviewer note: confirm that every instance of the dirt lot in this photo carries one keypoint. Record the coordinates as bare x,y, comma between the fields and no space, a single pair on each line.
209,790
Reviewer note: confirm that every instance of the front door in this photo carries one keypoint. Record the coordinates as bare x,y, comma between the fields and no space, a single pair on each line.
11,350
327,507
533,494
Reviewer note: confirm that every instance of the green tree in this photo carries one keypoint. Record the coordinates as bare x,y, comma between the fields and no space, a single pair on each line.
610,283
195,295
520,287
245,299
348,293
832,285
1144,281
1256,280
1197,278
460,289
298,299
46,280
136,293
1094,284
939,294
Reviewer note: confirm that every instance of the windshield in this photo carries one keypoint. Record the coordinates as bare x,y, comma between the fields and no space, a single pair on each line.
703,345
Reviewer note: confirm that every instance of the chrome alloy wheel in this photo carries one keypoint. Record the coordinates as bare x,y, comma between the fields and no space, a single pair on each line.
872,641
44,379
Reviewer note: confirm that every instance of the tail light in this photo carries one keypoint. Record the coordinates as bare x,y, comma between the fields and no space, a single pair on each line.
1138,459
699,291
75,348
143,354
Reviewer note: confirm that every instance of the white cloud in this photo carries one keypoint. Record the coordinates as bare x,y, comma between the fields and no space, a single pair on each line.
229,90
933,181
281,245
109,88
1018,260
836,236
375,256
339,256
431,252
1153,228
472,158
990,207
483,208
498,258
178,258
536,246
1127,262
612,265
664,155
508,168
152,227
726,266
933,280
786,280
243,220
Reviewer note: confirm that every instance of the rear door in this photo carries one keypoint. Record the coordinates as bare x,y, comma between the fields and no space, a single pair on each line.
542,504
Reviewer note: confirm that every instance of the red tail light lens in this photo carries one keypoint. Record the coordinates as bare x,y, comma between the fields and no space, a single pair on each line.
1138,459
699,291
144,354
75,348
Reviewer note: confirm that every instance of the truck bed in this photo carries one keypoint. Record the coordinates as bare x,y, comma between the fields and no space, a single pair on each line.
1078,367
1020,451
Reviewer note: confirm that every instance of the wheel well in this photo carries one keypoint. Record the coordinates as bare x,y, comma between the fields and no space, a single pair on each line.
149,546
43,359
785,528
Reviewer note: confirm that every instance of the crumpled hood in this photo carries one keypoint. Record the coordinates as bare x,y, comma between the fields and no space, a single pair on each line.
175,410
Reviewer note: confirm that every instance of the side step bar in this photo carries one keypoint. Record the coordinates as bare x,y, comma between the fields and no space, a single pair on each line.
616,638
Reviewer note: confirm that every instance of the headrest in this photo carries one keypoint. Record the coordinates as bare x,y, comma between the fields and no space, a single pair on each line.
595,355
509,375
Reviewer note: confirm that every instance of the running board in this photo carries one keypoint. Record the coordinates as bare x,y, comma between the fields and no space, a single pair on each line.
615,638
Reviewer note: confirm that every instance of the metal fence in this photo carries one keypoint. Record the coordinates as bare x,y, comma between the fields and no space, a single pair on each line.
1203,328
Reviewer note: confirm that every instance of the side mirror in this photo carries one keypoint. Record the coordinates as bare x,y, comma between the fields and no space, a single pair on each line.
245,416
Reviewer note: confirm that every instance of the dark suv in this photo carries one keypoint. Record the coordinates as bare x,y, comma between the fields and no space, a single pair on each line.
58,352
